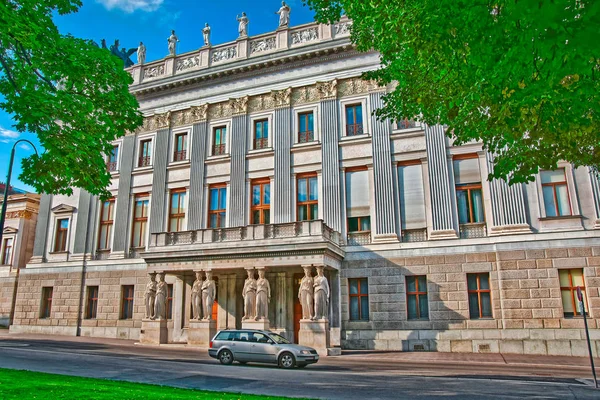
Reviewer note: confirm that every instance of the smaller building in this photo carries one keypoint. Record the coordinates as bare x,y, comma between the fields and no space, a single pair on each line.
16,248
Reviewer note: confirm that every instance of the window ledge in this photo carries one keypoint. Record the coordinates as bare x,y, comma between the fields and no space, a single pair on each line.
178,164
259,152
358,138
308,145
141,170
216,159
562,217
58,252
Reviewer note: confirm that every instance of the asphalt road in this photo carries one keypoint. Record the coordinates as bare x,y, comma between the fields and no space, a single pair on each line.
354,376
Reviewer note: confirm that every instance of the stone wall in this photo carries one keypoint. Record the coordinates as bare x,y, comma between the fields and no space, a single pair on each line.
7,286
526,299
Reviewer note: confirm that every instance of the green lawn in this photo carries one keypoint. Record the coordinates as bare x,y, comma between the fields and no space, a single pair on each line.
36,385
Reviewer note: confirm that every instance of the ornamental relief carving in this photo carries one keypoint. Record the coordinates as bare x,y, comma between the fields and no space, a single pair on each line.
305,94
187,63
260,103
224,54
162,120
25,214
343,28
258,46
153,72
327,90
281,98
356,85
239,106
220,110
305,36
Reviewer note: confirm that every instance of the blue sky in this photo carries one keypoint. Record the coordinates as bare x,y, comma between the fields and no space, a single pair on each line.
151,21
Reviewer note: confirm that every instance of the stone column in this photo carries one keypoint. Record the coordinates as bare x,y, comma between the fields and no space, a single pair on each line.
197,158
440,181
120,244
282,186
178,307
335,309
83,224
159,179
237,142
595,180
232,300
41,229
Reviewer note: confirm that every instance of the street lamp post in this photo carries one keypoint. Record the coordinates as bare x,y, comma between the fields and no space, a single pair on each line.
7,188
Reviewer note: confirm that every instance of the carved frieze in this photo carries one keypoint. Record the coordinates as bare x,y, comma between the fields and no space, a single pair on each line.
25,214
342,28
281,98
219,110
162,120
239,106
260,103
224,54
305,36
199,113
327,90
348,87
155,71
258,46
187,63
305,94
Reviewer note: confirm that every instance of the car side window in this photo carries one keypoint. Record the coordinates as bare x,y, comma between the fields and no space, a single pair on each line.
228,336
242,337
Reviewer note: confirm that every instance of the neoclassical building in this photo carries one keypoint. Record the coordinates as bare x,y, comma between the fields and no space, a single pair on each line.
263,153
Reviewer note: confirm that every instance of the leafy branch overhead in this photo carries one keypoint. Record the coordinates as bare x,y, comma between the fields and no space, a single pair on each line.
73,95
521,76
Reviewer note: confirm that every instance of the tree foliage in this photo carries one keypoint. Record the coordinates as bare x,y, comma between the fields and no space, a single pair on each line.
521,76
73,95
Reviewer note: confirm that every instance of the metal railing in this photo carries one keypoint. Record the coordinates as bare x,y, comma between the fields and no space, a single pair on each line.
474,230
111,166
261,143
306,136
218,149
354,129
180,155
144,161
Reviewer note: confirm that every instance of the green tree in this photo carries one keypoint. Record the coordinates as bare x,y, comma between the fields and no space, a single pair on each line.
69,92
521,76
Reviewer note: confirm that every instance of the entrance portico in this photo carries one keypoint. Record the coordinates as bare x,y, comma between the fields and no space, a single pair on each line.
282,250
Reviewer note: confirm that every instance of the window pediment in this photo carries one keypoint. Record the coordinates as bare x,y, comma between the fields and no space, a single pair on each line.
63,209
9,230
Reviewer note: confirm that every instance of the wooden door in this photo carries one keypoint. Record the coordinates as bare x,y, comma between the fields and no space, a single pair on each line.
297,306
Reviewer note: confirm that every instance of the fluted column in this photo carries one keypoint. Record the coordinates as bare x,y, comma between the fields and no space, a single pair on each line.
82,228
282,185
159,181
385,214
122,206
41,229
595,179
508,204
330,155
197,159
237,192
440,184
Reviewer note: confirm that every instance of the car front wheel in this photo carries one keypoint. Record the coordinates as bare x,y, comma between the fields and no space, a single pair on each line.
286,360
225,357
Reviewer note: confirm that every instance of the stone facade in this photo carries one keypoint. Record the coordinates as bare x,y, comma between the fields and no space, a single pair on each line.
392,206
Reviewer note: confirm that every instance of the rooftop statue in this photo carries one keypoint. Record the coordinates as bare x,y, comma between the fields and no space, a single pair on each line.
243,26
284,15
206,34
173,40
123,53
141,53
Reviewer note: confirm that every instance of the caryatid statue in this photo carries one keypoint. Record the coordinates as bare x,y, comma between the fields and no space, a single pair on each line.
321,295
150,296
197,296
305,294
209,292
141,53
284,14
206,34
160,304
249,295
263,296
243,24
173,40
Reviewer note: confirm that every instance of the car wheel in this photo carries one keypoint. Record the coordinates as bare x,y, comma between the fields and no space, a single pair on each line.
225,357
286,360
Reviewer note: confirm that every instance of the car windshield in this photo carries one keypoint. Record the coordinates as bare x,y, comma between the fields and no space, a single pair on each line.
279,339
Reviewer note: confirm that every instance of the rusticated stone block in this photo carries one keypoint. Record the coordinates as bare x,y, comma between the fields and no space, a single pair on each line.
537,347
461,346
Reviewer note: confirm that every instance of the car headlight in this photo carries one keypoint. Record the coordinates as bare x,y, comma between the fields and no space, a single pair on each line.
304,352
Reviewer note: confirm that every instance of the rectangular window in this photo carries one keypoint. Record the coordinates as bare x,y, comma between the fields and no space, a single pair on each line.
261,134
60,236
127,302
177,210
260,206
416,297
145,153
406,124
46,302
556,193
412,196
219,137
111,163
91,307
7,250
480,302
180,148
169,301
140,221
357,201
354,120
306,131
106,224
307,197
217,206
469,199
359,299
570,279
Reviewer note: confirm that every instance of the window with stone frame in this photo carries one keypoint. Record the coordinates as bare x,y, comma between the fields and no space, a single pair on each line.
113,157
413,217
46,307
144,158
306,127
358,208
359,299
91,307
354,120
570,279
260,203
261,134
169,304
180,147
127,293
61,234
307,197
416,297
7,251
555,193
469,198
217,206
219,140
177,210
106,224
479,292
140,221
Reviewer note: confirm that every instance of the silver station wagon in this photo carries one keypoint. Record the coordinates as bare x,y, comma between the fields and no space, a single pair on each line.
246,345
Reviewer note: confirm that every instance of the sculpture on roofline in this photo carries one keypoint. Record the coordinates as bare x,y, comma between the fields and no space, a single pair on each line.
284,15
122,53
206,34
243,25
141,53
173,40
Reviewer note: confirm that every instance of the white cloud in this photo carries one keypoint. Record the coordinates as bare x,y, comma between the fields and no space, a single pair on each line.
24,146
8,134
130,6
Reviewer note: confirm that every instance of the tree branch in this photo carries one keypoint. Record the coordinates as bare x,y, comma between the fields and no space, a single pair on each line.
23,52
8,74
